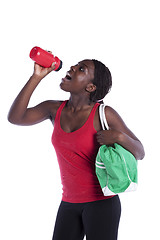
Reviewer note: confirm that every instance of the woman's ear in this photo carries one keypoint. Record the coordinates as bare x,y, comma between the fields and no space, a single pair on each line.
90,87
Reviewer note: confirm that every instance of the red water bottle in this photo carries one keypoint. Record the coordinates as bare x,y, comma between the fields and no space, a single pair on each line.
44,58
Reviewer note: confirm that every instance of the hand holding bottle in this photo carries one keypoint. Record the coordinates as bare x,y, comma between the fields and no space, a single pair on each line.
41,72
45,58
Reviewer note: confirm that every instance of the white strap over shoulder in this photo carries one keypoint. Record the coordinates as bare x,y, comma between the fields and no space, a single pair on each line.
103,117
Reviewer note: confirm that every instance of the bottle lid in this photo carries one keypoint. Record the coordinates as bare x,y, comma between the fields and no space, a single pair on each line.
60,66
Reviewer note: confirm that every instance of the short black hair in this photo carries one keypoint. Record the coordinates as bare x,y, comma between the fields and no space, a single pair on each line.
102,80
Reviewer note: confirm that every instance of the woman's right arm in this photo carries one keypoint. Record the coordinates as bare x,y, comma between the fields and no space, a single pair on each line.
19,113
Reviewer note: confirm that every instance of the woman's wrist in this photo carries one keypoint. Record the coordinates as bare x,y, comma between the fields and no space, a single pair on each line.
35,77
120,137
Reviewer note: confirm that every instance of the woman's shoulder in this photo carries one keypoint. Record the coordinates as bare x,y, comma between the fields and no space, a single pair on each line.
113,117
54,103
111,111
53,106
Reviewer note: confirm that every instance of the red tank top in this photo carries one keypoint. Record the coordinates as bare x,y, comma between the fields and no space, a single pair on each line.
76,154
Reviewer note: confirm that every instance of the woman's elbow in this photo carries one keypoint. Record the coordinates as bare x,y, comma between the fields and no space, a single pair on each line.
13,119
9,118
140,153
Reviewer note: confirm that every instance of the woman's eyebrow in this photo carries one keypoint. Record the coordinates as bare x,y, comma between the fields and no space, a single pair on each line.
83,64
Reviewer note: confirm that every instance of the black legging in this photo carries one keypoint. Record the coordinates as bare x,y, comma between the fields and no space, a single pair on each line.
96,220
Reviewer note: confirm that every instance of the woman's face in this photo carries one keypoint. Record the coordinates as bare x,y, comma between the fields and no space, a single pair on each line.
78,77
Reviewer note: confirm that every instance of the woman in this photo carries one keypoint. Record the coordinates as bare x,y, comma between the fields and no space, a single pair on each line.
77,135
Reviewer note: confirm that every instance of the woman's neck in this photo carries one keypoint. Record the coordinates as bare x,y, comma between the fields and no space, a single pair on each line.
77,103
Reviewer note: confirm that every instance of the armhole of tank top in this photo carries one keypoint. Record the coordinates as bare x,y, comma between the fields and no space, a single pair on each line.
92,115
96,106
59,110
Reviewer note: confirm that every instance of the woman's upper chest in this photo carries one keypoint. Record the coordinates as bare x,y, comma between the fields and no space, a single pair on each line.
72,121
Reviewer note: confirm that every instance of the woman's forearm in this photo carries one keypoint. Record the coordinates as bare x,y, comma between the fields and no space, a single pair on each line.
21,102
132,145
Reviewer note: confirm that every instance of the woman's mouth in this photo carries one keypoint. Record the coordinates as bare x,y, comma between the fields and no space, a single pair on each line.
67,77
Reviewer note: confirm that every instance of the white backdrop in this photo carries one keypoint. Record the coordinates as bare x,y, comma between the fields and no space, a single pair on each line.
122,34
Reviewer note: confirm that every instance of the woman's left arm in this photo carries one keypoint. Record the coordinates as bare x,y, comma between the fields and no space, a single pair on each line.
119,133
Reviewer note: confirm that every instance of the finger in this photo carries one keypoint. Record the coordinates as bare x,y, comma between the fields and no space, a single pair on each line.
49,51
53,65
99,140
99,133
100,143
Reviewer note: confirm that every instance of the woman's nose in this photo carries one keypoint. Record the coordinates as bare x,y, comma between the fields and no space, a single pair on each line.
73,68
